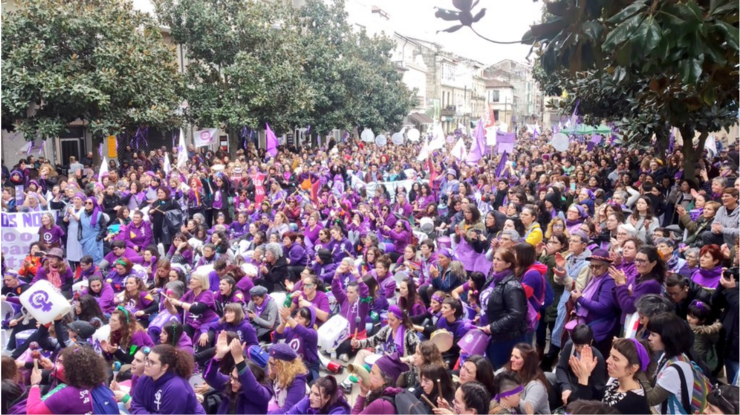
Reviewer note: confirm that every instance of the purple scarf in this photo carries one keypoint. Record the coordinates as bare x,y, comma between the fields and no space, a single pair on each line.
708,278
259,309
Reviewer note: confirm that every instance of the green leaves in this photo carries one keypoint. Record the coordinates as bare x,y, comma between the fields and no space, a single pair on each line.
622,33
691,69
99,61
628,12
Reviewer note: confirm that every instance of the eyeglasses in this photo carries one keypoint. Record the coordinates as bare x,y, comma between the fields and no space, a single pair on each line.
234,378
310,285
641,261
596,266
89,203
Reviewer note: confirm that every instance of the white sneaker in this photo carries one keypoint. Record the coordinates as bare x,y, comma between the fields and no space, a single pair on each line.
343,357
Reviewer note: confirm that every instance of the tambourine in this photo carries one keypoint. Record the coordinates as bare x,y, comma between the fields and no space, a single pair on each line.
443,339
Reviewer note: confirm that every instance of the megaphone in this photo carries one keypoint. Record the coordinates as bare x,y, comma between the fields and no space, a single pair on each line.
360,372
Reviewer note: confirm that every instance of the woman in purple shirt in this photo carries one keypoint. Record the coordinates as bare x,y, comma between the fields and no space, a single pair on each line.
84,378
137,234
102,292
650,270
314,297
50,234
199,305
300,335
56,271
295,253
137,300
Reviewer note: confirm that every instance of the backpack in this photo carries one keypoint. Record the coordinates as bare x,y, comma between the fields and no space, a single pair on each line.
406,403
104,401
699,391
533,314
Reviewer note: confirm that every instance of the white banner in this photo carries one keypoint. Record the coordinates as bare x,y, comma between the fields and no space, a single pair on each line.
391,186
207,137
18,231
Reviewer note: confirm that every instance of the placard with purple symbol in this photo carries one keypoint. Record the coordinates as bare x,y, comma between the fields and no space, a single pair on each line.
206,137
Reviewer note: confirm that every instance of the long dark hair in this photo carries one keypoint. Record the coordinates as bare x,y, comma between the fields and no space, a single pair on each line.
437,372
531,367
89,309
327,386
259,375
406,304
525,257
483,372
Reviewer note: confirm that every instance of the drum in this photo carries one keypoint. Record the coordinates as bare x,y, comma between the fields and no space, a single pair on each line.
196,380
444,242
400,276
469,312
474,342
442,209
426,224
371,359
21,337
79,286
44,302
333,333
250,270
443,339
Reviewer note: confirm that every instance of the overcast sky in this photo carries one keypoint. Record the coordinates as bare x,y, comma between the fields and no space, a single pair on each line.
505,20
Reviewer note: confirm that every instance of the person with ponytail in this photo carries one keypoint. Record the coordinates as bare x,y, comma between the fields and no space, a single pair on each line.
325,398
165,389
246,390
173,333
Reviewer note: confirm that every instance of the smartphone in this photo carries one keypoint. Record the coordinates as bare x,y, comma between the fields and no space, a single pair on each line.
38,254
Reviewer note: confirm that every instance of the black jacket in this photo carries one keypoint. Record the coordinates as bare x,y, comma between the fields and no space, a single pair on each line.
729,300
567,380
507,310
696,292
278,273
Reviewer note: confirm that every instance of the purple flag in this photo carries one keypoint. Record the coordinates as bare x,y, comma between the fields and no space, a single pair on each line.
271,142
505,142
501,165
478,148
574,118
590,146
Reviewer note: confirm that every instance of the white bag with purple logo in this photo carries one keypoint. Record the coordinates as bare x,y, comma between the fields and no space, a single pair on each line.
333,333
44,302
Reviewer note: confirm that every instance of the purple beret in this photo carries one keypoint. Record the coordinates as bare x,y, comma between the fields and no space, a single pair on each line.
446,252
282,351
151,173
391,365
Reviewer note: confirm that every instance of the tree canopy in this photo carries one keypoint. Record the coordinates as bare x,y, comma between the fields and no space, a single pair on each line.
95,60
252,63
648,65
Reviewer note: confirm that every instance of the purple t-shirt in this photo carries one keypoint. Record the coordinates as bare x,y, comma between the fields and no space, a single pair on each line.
67,399
51,236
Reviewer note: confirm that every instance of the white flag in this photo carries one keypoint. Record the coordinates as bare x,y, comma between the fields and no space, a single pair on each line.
459,150
424,152
711,145
438,138
167,166
182,151
103,169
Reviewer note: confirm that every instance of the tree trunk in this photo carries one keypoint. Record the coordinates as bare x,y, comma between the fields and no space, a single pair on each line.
691,155
662,137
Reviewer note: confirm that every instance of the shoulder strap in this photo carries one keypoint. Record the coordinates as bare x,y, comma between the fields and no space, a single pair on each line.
685,401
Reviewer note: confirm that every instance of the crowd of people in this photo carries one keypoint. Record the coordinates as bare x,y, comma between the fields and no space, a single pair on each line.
597,280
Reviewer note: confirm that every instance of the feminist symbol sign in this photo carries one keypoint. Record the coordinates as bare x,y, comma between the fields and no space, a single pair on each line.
40,300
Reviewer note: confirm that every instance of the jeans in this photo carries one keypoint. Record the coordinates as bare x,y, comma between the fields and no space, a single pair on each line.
500,352
557,333
731,369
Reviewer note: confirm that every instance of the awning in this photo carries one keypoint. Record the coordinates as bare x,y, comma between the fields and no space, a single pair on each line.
419,118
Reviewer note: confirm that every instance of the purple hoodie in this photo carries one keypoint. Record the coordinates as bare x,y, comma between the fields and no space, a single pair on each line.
293,394
351,312
133,235
304,407
105,299
129,253
639,288
297,254
67,278
170,394
244,330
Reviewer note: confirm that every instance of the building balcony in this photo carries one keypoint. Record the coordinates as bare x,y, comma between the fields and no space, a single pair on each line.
448,111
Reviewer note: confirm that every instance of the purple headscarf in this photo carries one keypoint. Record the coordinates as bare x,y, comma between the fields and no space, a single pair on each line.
96,209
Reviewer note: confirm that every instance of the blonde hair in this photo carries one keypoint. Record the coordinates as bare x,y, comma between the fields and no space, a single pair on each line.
202,275
548,232
285,372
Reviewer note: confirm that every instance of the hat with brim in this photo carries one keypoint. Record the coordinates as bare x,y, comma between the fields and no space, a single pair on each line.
600,255
56,252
